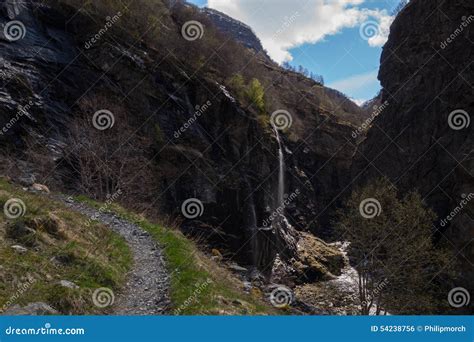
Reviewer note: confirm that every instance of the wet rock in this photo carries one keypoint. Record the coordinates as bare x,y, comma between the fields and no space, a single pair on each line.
237,268
318,257
256,275
314,260
247,286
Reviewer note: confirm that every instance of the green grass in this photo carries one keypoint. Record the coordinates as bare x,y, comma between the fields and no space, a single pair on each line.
91,257
199,286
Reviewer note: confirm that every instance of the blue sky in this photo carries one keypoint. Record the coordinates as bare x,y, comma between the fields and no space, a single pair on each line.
340,39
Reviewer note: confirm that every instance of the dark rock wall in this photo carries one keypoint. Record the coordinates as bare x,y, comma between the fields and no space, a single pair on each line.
236,29
226,158
424,79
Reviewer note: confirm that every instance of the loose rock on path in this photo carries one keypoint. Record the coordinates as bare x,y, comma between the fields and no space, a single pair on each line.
146,291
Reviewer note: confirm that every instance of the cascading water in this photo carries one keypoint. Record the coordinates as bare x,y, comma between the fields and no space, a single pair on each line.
281,170
278,237
284,231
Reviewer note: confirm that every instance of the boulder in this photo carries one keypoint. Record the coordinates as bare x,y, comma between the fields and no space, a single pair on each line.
19,249
68,284
26,180
314,260
21,232
237,268
216,255
31,309
51,224
40,188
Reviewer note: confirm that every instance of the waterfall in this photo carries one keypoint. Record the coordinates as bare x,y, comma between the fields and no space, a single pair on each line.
277,237
286,235
281,170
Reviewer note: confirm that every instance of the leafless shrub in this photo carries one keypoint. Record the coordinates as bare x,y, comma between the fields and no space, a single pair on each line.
109,160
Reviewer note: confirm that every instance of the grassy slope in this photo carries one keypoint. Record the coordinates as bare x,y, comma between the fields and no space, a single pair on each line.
90,257
199,286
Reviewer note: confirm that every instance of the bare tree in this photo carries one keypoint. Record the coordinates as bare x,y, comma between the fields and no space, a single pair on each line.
109,155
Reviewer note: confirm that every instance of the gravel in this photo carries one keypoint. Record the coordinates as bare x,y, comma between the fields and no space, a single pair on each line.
146,291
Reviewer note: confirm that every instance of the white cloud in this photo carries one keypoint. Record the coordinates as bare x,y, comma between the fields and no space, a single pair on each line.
282,25
382,31
355,83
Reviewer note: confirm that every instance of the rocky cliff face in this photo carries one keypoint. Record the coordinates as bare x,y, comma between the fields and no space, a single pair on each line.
241,32
204,142
423,139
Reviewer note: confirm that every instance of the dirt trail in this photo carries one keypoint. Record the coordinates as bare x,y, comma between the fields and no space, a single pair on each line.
146,291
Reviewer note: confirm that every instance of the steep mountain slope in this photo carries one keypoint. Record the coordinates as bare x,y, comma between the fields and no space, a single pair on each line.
234,28
423,139
175,132
54,260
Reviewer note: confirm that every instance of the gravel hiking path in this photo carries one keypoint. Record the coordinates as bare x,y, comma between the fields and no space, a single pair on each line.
146,291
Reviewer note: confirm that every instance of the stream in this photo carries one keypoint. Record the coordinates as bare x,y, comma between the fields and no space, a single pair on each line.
338,296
